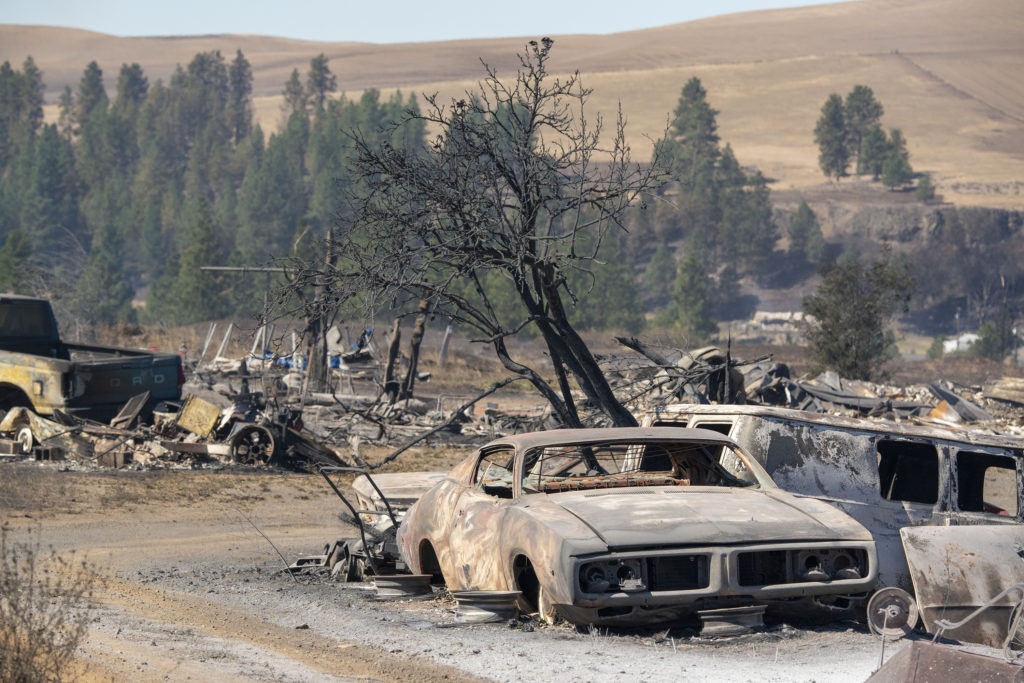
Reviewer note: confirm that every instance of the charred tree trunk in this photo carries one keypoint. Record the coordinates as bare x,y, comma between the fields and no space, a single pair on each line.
564,341
414,350
390,383
317,368
563,385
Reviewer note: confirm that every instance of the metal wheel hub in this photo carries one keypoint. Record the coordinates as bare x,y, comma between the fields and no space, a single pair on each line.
892,612
253,445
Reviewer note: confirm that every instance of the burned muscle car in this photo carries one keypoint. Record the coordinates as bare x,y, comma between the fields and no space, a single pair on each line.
628,526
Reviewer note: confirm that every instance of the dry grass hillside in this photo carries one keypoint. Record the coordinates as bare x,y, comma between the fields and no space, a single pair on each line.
947,72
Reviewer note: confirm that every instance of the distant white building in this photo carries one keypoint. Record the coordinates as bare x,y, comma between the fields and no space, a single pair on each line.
961,343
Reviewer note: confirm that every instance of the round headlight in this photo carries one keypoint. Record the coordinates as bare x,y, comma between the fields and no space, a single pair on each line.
593,579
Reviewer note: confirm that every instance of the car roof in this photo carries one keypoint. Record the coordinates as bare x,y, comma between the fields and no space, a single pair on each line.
557,437
874,425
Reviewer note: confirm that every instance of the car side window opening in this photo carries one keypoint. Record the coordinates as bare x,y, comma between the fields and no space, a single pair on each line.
986,483
494,473
908,471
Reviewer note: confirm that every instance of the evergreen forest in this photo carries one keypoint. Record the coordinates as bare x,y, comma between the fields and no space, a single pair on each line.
114,209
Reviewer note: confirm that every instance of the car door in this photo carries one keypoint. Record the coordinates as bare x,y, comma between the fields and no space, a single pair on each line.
477,562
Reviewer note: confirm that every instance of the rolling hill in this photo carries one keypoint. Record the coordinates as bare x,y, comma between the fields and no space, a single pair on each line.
947,72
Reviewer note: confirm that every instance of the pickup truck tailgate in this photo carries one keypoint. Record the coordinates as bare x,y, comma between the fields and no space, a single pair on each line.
102,381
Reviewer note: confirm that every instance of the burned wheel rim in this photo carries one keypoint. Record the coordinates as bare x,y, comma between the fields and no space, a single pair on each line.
252,446
892,613
26,441
546,613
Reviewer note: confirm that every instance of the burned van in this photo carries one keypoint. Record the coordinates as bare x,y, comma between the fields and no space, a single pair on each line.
894,478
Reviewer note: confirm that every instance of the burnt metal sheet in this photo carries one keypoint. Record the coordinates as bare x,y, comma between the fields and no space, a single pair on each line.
47,432
401,489
128,415
924,662
478,607
957,569
732,621
199,416
964,408
403,586
186,447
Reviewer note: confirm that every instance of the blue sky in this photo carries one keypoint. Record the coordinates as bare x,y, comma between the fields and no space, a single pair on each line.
372,21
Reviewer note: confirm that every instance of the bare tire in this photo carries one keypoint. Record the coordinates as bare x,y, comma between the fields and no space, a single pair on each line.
892,613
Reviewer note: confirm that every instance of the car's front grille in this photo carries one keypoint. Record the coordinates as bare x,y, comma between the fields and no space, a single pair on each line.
763,568
678,572
806,565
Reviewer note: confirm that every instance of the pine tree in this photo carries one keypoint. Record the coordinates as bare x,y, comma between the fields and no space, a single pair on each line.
320,82
873,152
103,293
851,310
690,310
863,113
46,188
831,136
21,108
132,88
691,153
195,295
274,197
925,191
16,261
240,98
748,232
805,238
33,91
91,93
659,277
896,169
295,98
66,115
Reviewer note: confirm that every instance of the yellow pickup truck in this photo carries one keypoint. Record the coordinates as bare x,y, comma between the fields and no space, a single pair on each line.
40,371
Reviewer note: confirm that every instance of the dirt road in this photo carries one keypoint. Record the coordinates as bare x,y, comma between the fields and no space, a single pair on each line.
196,593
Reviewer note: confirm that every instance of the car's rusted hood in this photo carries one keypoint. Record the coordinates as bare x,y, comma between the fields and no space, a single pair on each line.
648,516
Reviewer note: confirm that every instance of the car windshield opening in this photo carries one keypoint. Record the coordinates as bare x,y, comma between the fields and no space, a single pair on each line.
573,467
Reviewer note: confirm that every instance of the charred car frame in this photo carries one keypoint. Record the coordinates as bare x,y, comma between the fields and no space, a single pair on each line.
630,526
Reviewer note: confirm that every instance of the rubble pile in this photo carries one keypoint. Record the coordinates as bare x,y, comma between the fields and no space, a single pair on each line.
658,377
260,410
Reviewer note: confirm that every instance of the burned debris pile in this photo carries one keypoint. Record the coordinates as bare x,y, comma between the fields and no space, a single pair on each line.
261,409
658,376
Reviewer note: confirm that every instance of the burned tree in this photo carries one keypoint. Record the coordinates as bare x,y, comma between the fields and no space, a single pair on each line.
516,191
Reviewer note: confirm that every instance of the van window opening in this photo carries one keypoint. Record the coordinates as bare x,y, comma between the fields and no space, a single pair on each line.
908,471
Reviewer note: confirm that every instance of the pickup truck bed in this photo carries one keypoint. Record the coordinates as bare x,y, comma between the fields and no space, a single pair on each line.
39,371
